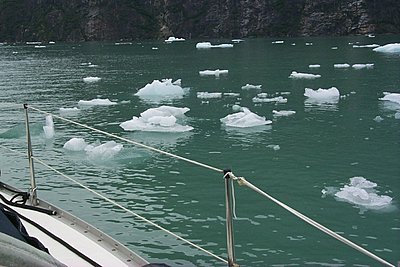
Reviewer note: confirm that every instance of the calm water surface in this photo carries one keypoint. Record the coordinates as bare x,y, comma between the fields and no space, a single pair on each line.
319,148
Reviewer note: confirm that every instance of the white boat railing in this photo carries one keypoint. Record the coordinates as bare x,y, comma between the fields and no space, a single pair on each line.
229,178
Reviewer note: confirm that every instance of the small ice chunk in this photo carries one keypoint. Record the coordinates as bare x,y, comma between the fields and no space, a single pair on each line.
91,79
123,43
104,151
236,41
69,111
278,42
75,144
231,94
309,43
52,42
299,75
222,46
334,47
363,66
366,46
283,112
96,102
162,88
314,66
174,39
49,127
161,119
397,115
215,73
208,95
389,48
278,99
40,46
378,119
244,119
323,95
250,86
154,48
392,97
203,45
341,65
274,147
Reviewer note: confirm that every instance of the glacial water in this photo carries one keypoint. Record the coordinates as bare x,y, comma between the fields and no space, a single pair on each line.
305,157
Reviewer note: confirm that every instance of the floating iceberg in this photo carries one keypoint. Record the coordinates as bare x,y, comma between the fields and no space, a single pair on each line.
314,66
283,112
75,144
389,48
341,65
299,75
244,119
161,119
250,86
174,39
208,95
208,45
215,73
69,111
91,79
330,95
164,87
361,192
104,151
366,46
392,97
260,99
96,102
363,66
378,119
49,127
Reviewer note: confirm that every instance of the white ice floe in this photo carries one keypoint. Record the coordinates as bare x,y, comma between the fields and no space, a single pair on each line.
123,43
174,39
330,95
208,45
378,119
278,42
215,73
363,66
208,95
392,97
96,102
154,48
334,47
274,147
231,94
236,41
75,144
261,99
91,79
341,65
161,119
283,112
104,151
299,75
40,46
250,86
311,66
164,87
49,127
244,119
69,111
389,48
52,42
362,192
366,46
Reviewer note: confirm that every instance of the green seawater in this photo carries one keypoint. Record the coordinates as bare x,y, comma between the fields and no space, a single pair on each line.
295,159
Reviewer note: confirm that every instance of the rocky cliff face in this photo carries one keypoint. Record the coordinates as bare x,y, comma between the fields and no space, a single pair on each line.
86,20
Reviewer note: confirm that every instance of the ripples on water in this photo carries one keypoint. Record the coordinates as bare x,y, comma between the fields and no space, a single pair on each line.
322,145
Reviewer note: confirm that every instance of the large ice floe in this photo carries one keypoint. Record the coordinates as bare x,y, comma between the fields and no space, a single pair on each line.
392,97
163,88
215,73
174,39
389,48
299,75
330,95
366,46
207,95
360,192
208,45
104,151
96,102
251,86
244,119
281,113
161,119
49,127
91,79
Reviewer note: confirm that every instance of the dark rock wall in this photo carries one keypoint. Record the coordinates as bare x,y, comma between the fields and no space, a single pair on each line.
87,20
